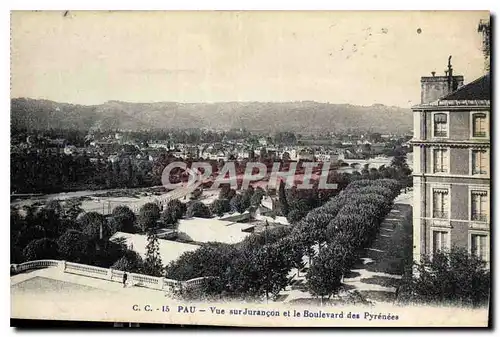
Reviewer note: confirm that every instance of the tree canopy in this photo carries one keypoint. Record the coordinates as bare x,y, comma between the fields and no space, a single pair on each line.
130,262
220,206
448,277
75,246
236,204
325,273
124,220
149,215
95,226
198,209
152,264
40,249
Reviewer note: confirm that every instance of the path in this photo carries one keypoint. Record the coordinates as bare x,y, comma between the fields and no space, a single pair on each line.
379,272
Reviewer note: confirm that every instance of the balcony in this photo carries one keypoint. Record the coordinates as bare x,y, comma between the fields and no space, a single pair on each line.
479,134
481,217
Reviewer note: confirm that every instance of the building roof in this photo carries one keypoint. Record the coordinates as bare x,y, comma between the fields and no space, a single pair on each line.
169,250
480,89
213,230
474,94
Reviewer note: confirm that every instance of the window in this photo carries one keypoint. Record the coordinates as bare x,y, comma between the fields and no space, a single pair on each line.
479,125
440,203
479,206
479,162
440,125
479,246
440,160
439,241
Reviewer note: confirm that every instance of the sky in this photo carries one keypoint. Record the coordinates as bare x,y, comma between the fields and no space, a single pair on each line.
360,58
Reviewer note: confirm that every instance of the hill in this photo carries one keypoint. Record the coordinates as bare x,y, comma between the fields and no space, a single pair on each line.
305,116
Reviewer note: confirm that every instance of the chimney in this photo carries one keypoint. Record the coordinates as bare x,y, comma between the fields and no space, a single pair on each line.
434,87
485,29
450,76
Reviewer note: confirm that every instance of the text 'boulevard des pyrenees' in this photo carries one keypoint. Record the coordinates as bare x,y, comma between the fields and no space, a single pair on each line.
251,168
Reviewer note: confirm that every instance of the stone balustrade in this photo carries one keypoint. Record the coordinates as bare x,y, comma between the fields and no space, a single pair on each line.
112,275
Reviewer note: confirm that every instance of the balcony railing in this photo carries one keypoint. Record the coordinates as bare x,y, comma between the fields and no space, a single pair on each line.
479,171
440,215
440,169
476,216
479,134
34,265
440,133
146,281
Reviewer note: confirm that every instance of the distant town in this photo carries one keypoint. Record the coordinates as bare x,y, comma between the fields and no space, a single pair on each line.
74,159
392,218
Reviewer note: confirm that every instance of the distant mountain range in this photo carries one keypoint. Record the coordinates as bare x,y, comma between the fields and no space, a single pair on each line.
305,116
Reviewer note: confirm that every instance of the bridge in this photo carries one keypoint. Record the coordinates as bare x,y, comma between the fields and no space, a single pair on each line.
104,205
372,162
177,193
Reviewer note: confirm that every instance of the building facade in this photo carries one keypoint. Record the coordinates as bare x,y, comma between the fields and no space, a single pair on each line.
451,171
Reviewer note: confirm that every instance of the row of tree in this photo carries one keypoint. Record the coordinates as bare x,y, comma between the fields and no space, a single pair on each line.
259,266
33,172
342,228
295,203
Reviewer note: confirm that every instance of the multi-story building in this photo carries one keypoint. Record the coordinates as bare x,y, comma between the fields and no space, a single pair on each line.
451,170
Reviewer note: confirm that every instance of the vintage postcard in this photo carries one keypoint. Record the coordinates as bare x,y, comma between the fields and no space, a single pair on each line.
251,168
